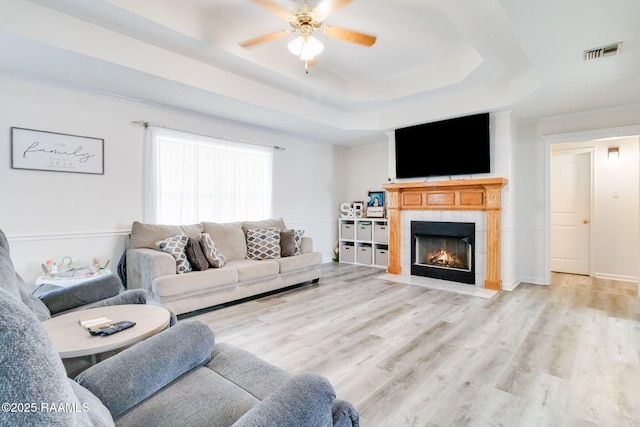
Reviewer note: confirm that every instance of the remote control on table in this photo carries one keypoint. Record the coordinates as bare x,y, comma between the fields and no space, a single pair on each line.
113,328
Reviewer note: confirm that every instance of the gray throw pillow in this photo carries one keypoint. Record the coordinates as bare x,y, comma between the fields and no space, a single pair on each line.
195,255
287,243
291,242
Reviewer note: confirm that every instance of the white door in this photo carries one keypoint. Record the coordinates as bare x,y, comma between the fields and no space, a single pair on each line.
570,212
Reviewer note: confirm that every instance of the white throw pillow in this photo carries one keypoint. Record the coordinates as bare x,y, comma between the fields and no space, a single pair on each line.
213,255
263,243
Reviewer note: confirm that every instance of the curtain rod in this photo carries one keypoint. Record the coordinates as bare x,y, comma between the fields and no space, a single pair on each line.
147,124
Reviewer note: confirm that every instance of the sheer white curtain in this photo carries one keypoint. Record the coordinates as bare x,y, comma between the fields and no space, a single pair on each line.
190,178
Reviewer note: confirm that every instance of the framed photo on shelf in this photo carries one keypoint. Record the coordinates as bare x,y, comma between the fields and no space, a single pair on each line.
51,151
375,205
376,198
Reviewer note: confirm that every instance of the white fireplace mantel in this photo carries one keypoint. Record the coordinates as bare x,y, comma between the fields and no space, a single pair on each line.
462,194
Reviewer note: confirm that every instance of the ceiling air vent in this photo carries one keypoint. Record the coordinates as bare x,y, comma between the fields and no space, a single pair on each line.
603,51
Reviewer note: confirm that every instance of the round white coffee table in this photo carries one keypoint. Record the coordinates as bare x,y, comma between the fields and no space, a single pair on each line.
70,339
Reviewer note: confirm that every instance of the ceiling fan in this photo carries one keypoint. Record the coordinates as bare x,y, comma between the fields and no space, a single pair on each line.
305,20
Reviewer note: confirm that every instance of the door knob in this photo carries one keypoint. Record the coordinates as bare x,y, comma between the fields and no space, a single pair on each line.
585,221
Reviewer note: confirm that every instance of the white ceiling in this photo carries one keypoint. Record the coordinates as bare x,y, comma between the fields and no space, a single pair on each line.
433,59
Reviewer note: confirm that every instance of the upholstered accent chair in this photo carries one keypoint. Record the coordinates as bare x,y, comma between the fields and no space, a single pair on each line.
101,291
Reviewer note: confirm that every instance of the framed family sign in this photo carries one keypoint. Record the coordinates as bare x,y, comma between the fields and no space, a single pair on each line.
51,151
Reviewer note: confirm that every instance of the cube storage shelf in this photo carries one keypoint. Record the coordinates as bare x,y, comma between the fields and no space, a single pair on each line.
364,241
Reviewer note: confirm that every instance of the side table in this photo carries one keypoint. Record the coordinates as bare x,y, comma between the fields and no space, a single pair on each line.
63,282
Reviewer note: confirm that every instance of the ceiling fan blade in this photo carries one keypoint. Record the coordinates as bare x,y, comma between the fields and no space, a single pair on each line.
274,8
265,38
327,7
349,35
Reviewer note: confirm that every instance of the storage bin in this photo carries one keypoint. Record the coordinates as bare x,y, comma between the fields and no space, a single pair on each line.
382,257
347,252
347,230
381,233
363,255
364,231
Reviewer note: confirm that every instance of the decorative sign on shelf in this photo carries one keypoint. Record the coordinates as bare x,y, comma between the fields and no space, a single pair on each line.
51,151
375,205
353,210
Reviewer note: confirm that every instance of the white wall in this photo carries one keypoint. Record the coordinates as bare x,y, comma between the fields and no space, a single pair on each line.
367,168
529,190
53,214
617,192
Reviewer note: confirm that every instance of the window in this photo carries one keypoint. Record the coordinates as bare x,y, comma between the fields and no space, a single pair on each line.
191,178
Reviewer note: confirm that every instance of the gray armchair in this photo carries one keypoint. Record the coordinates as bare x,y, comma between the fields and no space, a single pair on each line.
102,291
180,376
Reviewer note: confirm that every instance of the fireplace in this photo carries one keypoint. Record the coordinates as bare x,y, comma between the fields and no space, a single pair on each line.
456,198
443,250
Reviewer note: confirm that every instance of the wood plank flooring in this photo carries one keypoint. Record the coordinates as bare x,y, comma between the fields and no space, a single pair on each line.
406,355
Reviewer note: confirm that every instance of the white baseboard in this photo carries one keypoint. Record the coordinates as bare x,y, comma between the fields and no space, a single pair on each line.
616,277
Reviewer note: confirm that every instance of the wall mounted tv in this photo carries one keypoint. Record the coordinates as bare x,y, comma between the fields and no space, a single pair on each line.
459,146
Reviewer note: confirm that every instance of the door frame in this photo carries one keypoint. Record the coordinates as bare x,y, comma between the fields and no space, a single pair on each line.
578,150
587,135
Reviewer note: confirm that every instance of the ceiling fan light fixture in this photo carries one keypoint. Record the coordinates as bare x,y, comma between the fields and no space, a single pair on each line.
305,47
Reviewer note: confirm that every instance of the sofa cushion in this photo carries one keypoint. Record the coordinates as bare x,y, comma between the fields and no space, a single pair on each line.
181,285
263,243
214,256
199,398
175,246
146,235
254,269
229,238
292,263
247,370
195,256
291,242
265,223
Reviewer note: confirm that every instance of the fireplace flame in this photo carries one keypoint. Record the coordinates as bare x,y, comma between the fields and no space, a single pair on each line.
443,258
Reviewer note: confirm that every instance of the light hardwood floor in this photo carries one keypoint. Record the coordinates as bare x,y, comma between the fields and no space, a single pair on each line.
406,355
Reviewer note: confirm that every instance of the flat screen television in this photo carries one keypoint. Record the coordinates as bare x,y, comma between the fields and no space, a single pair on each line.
458,146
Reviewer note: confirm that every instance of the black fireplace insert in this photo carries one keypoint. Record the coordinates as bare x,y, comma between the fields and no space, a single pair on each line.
443,250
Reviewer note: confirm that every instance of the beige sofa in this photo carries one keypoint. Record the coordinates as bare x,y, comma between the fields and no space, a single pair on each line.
149,268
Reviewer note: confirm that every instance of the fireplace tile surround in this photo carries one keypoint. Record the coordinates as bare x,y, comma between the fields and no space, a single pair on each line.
461,200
